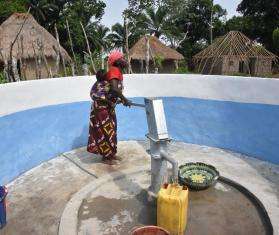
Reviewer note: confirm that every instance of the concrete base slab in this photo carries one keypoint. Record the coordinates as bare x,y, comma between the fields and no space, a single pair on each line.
37,199
121,204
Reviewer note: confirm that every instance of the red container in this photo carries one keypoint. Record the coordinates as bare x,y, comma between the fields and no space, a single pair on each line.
150,230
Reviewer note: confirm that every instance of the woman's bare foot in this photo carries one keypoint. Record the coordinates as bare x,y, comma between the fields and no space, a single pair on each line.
108,161
117,158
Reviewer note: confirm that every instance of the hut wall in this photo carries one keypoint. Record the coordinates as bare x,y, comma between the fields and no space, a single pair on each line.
230,66
168,66
261,67
30,71
206,66
137,67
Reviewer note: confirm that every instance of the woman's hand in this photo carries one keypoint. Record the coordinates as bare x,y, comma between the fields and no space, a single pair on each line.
126,102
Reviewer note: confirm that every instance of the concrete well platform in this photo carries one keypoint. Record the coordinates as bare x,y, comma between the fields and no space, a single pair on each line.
38,198
119,203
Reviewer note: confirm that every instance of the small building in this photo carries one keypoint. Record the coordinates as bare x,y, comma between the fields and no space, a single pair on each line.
160,57
232,54
36,53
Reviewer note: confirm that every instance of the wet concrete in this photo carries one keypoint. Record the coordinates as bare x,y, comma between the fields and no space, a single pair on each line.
118,216
223,210
218,210
37,199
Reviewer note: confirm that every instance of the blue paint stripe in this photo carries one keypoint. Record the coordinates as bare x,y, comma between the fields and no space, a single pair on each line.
33,136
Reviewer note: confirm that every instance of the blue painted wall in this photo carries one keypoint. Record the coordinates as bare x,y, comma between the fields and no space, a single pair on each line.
30,137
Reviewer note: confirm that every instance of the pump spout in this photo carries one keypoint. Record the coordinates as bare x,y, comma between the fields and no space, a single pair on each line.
173,162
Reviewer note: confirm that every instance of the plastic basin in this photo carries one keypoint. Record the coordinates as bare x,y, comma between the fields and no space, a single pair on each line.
150,230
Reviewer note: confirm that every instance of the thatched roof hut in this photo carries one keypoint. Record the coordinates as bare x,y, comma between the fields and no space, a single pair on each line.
153,48
32,41
234,53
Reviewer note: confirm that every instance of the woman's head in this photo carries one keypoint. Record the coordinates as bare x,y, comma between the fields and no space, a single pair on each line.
116,58
101,75
121,63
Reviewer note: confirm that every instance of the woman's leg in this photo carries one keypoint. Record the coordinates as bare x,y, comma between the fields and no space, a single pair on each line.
105,133
92,146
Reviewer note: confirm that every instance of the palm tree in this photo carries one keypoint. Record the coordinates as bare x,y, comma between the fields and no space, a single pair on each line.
100,40
41,8
155,20
117,37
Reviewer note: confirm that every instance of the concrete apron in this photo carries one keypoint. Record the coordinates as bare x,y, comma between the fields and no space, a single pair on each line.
37,198
118,203
76,217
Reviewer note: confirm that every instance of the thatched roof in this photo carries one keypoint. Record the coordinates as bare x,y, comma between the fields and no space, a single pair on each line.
31,36
157,49
236,46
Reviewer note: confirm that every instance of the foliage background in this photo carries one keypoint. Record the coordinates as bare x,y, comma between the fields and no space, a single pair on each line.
182,24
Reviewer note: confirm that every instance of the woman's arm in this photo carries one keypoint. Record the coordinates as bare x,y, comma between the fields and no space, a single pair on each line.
117,92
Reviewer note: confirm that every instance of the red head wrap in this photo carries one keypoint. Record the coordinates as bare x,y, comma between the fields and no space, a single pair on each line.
114,56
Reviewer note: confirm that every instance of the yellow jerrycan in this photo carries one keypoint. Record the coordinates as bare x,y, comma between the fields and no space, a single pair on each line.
172,207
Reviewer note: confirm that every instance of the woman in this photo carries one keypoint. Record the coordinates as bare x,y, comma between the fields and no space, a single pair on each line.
103,124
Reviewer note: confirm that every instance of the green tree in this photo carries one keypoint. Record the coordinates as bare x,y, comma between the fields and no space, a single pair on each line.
40,9
195,20
275,37
99,37
183,24
265,17
7,7
137,6
87,12
154,20
117,36
244,24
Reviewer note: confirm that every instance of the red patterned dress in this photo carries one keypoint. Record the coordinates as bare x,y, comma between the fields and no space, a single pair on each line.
103,123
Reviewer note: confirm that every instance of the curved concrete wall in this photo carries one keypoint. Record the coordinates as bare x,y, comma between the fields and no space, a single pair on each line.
41,119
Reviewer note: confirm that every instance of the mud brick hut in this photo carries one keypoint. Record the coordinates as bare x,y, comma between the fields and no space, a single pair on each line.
36,53
235,53
151,49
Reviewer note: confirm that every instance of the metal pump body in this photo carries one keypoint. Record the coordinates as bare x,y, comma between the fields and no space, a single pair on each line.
159,138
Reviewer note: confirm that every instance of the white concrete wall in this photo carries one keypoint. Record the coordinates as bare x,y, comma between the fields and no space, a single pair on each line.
21,96
39,133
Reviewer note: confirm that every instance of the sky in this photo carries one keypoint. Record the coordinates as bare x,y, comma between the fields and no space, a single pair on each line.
114,9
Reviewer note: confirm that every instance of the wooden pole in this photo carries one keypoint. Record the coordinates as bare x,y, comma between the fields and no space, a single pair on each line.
23,72
39,58
11,63
5,65
72,47
141,66
102,59
127,43
20,60
36,61
147,59
59,50
88,47
42,50
211,23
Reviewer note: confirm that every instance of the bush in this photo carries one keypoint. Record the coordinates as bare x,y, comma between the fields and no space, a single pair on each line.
2,78
275,37
158,61
182,70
